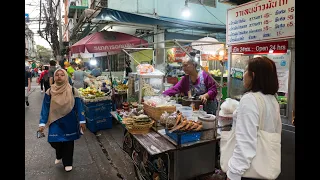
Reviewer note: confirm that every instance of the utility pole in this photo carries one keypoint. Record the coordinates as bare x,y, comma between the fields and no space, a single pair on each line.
40,17
60,30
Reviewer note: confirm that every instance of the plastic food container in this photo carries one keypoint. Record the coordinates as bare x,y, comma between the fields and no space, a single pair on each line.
186,111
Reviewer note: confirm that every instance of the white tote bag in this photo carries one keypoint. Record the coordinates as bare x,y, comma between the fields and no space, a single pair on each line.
267,162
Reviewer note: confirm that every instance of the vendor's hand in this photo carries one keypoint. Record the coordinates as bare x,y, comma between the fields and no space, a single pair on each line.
41,128
203,98
29,88
83,127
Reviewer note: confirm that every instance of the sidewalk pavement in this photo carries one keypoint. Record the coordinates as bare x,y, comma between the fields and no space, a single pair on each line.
92,160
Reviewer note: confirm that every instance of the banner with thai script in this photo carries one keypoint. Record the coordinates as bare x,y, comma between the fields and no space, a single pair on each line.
261,48
261,20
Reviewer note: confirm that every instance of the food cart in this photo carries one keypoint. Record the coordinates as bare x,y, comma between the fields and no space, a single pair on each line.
156,154
266,28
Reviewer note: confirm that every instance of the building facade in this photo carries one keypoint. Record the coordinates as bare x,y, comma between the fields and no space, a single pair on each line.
30,46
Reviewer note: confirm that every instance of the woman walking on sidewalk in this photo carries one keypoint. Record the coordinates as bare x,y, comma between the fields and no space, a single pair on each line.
62,112
44,79
40,81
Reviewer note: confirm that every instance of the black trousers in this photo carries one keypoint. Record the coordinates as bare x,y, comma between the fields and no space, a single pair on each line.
64,151
41,84
46,85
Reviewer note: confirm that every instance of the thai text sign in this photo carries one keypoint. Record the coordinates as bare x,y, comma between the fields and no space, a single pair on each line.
261,20
261,48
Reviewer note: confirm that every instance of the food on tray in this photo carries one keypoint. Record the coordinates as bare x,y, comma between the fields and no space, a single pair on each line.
180,123
147,90
121,87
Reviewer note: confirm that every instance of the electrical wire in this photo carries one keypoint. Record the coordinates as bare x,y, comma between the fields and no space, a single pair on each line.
210,12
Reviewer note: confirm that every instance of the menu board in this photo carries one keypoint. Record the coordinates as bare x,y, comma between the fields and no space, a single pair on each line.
282,62
261,20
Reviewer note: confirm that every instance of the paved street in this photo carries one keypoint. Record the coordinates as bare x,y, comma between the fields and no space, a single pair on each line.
95,157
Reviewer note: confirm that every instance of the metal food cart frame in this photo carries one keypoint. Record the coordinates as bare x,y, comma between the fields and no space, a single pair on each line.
182,152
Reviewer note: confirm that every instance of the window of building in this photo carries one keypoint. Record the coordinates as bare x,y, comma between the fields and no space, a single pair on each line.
114,62
210,3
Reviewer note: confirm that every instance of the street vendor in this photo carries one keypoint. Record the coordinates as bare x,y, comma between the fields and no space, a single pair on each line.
199,83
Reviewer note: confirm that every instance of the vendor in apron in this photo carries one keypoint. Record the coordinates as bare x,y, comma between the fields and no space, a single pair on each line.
199,83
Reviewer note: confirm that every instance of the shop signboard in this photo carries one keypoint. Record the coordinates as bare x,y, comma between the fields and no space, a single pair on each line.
261,48
261,20
177,54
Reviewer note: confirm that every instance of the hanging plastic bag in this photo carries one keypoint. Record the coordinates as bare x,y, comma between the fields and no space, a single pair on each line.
229,106
144,68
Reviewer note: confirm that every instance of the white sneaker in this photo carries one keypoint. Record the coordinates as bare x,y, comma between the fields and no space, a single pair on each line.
57,161
68,168
41,91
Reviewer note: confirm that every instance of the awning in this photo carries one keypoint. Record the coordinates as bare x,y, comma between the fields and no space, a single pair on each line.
106,41
108,14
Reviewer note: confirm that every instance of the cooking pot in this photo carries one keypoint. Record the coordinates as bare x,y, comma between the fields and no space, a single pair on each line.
187,102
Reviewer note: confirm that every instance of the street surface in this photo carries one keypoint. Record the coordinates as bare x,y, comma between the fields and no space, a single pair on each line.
96,157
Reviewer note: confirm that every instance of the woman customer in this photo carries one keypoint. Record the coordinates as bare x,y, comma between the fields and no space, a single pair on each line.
260,80
62,112
78,77
199,83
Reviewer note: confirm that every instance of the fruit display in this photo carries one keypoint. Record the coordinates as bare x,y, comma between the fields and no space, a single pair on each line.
215,72
92,93
121,87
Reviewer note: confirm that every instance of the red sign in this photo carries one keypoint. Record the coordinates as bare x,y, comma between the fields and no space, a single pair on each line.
261,48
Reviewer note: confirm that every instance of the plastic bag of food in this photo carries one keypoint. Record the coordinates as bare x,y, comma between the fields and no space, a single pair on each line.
144,68
229,105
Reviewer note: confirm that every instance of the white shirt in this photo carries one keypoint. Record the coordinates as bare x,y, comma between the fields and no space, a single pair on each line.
246,122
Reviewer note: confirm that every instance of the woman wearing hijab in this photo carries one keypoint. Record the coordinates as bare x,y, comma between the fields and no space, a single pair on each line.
62,112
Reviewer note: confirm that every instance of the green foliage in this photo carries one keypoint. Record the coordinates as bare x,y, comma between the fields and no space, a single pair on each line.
44,53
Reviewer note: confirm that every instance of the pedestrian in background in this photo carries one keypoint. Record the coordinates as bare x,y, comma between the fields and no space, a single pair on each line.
52,69
96,71
27,84
40,81
62,112
78,77
44,79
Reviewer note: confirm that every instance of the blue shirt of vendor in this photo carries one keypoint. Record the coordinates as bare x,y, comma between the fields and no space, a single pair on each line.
95,72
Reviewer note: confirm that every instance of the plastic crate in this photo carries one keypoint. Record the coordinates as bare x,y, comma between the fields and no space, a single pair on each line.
98,103
95,125
186,137
97,112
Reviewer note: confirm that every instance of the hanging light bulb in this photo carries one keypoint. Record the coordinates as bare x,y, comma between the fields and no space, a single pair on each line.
221,53
93,62
186,11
